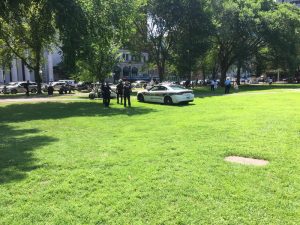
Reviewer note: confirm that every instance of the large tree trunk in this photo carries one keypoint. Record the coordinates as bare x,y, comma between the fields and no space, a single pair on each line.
161,70
37,75
38,78
223,77
238,75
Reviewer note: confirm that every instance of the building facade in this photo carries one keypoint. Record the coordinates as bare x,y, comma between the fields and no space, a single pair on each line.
130,66
18,71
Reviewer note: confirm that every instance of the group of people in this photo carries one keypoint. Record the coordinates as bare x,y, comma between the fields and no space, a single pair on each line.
214,85
123,91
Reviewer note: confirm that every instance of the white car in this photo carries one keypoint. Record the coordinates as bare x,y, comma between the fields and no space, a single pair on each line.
167,94
58,85
139,84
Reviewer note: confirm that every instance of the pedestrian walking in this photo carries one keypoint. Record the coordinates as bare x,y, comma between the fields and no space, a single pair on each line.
106,90
120,92
227,85
126,93
216,84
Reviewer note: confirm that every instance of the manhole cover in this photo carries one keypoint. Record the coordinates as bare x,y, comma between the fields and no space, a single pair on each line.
246,161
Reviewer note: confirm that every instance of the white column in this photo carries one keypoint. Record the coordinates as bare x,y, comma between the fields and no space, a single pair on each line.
50,67
14,72
20,69
27,73
7,75
1,76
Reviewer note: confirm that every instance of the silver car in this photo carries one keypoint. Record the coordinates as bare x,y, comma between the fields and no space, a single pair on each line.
19,87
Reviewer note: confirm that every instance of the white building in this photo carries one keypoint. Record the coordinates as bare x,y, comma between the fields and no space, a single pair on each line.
130,67
18,71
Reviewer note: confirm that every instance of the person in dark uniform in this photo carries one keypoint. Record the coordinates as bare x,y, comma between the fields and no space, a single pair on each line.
50,90
187,83
106,90
120,92
126,93
27,88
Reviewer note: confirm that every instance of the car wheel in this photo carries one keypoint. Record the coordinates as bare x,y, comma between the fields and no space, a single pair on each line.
140,98
13,91
168,100
33,91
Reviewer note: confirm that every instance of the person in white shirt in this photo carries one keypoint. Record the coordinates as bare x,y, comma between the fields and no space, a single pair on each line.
216,84
212,85
227,85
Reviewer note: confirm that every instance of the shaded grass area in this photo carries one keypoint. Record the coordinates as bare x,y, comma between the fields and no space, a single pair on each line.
77,163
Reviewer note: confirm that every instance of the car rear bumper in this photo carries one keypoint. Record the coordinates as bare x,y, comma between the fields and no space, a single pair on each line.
183,98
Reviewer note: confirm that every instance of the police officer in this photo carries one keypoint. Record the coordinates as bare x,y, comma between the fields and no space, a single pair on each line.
126,93
105,89
50,90
27,88
120,91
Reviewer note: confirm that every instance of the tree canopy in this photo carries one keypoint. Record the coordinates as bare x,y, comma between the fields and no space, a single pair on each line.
185,35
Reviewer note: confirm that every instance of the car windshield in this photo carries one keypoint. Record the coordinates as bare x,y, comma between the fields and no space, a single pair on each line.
176,87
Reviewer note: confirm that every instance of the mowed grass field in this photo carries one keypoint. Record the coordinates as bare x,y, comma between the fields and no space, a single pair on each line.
75,162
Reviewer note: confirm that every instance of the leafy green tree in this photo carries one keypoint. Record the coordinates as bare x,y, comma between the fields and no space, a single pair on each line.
28,28
109,25
244,27
191,36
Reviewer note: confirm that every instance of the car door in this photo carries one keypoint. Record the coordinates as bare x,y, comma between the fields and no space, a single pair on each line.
21,87
161,94
150,96
157,94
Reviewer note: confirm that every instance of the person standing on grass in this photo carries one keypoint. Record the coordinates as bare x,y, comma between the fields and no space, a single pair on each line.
216,84
126,93
27,88
50,90
212,85
105,89
236,86
120,92
227,85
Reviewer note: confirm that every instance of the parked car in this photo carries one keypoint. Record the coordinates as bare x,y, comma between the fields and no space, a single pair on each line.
139,84
83,85
97,93
58,85
19,87
167,94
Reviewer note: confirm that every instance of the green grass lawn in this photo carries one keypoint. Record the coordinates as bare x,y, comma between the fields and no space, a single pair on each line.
77,163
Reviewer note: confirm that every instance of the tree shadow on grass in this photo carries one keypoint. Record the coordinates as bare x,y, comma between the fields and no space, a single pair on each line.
17,146
16,152
60,110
